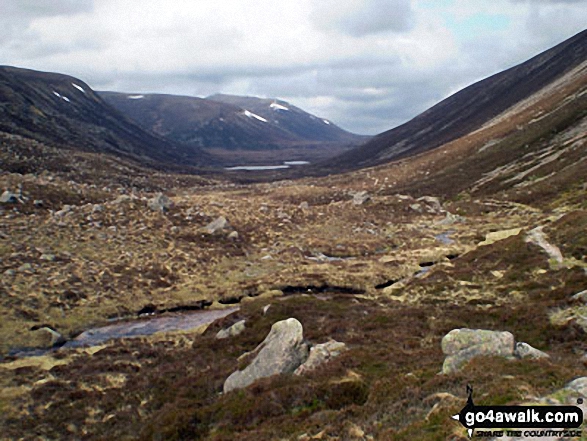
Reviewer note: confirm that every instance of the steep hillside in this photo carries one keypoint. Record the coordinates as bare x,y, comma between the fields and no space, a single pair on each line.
469,109
63,111
238,127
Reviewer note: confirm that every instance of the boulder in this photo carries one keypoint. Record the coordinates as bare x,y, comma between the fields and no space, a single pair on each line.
321,354
216,225
160,203
524,350
282,351
233,331
462,345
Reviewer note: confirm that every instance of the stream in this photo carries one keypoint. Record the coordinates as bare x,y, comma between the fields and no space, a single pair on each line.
136,328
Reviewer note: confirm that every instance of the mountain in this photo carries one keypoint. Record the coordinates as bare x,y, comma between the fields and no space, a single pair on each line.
238,127
63,111
469,109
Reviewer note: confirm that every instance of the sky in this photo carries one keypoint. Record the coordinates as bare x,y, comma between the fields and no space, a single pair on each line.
366,65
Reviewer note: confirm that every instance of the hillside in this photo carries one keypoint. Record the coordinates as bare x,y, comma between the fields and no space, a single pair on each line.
65,112
237,128
469,109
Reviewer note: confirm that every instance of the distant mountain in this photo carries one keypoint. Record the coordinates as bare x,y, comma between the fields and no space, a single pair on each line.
469,109
63,111
232,124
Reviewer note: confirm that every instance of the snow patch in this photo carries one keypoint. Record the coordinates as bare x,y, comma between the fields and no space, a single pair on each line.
325,121
57,94
278,106
253,115
65,99
135,97
80,88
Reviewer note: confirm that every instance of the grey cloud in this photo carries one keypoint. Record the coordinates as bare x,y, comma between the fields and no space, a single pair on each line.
44,8
363,18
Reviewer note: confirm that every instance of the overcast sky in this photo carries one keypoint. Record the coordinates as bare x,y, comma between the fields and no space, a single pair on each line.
367,65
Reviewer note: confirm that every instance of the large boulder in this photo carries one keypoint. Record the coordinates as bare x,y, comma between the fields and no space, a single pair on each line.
462,345
282,351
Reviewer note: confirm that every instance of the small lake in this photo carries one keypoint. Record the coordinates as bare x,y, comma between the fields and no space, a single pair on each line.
286,164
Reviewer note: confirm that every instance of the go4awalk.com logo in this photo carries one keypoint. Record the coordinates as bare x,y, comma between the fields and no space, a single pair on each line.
520,421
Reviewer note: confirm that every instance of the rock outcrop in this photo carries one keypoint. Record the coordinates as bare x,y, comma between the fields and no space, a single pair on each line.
282,351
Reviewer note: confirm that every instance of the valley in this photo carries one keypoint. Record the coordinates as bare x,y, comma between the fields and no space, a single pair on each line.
379,253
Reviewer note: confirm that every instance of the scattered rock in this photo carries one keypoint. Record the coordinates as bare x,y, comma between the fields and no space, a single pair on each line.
8,198
537,237
25,267
216,225
361,197
282,351
38,203
321,354
416,207
48,337
121,199
462,345
48,257
233,331
304,206
524,350
265,308
160,203
97,208
64,211
233,235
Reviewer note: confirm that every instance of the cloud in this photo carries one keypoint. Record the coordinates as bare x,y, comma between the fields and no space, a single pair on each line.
363,17
44,8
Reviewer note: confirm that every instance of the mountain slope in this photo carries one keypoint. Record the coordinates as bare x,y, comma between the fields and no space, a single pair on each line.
470,108
225,123
63,111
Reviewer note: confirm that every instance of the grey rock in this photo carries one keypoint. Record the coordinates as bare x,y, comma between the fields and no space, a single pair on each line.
121,199
48,257
233,331
361,197
160,203
282,351
56,337
25,267
578,385
216,225
38,203
580,297
462,345
304,206
8,198
97,208
524,350
321,354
